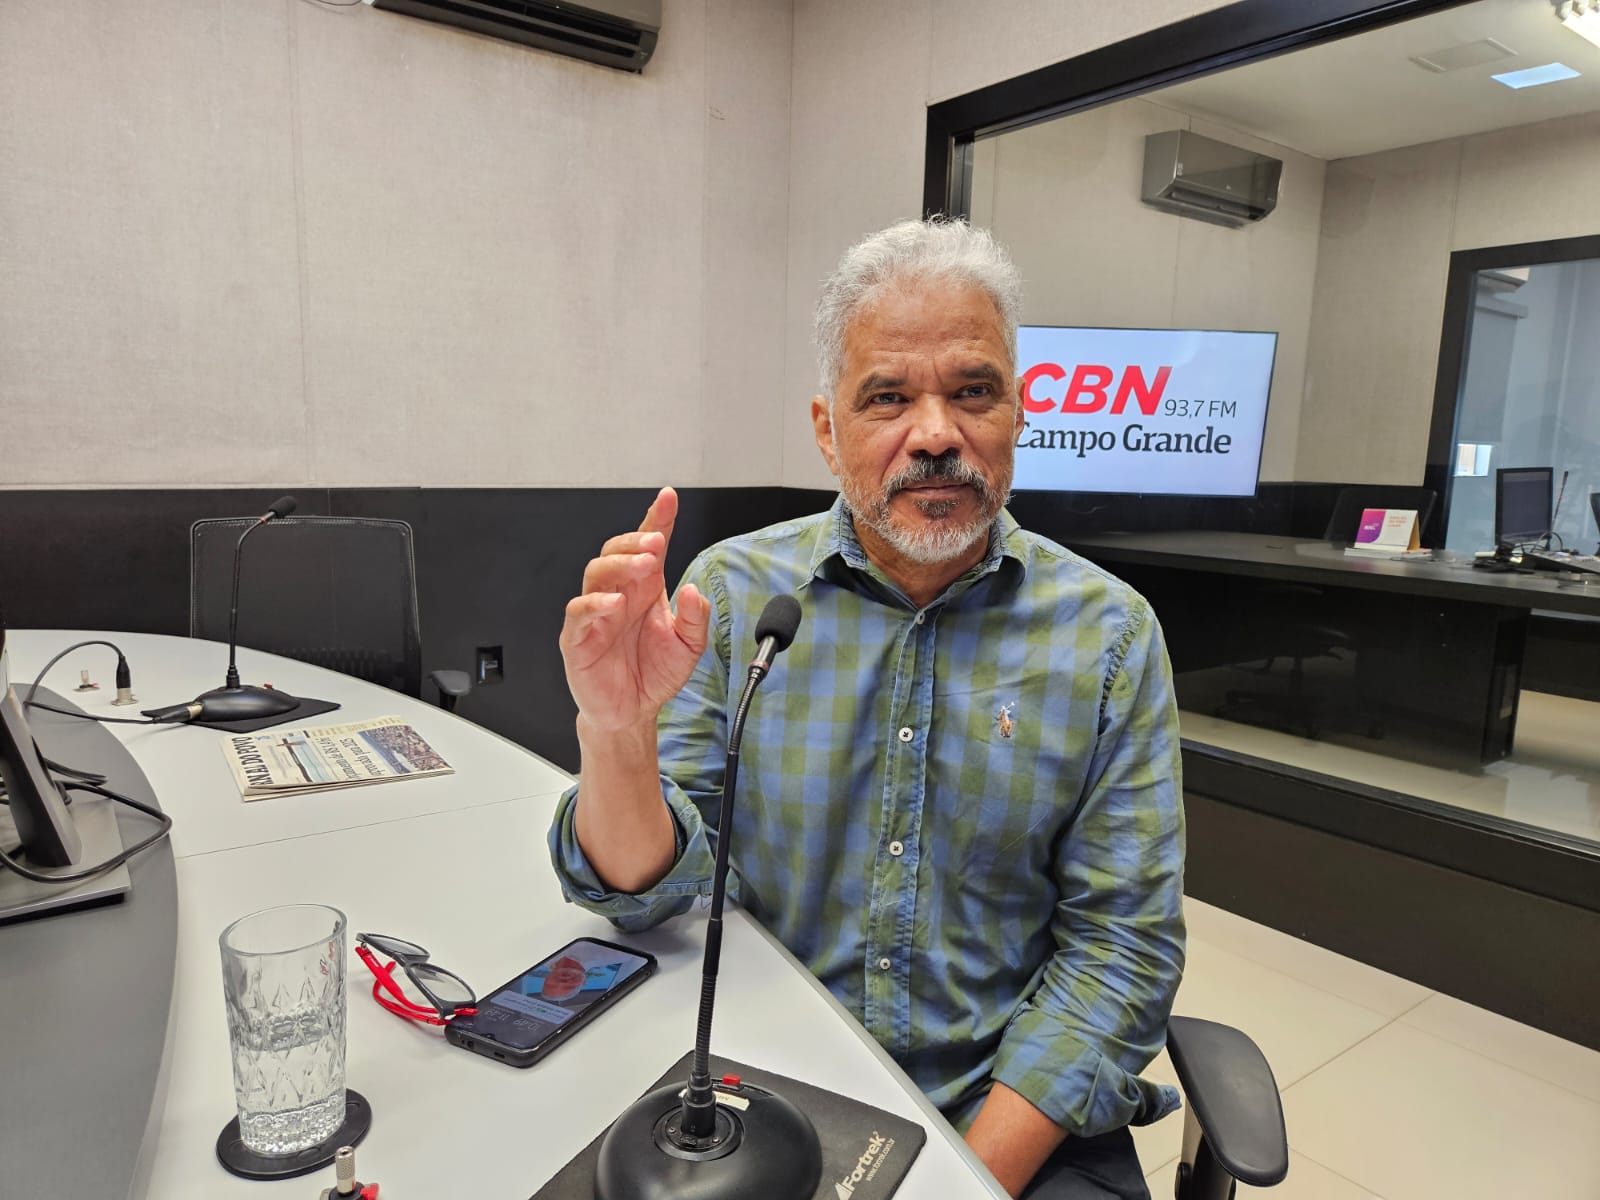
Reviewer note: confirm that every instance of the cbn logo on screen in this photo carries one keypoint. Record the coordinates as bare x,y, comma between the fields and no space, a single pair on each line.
1148,411
1089,390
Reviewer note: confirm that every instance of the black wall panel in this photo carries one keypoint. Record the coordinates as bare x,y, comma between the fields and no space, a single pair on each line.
1525,956
495,566
112,559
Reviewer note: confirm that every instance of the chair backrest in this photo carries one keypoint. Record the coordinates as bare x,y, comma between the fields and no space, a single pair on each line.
1352,501
339,592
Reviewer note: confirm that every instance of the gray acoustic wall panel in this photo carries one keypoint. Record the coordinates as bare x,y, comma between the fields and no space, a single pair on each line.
149,316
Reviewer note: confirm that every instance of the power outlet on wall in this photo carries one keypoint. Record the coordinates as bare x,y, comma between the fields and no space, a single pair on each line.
491,665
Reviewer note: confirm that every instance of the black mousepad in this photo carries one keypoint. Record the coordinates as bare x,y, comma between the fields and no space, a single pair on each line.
854,1136
306,708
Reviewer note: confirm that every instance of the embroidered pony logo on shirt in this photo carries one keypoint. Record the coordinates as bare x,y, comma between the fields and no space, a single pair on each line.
1003,721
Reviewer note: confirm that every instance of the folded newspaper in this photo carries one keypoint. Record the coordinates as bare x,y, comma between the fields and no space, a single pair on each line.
330,757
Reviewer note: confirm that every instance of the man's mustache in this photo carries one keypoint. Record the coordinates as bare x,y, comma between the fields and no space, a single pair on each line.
948,467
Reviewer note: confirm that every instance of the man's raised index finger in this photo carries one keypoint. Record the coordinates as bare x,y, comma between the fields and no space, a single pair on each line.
662,514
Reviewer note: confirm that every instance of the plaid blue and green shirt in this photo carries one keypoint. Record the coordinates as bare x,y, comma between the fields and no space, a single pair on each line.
966,819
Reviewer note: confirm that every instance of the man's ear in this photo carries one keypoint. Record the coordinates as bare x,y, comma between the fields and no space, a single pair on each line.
1022,417
822,422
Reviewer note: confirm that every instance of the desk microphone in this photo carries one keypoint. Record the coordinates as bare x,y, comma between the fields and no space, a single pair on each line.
705,1141
1556,511
231,701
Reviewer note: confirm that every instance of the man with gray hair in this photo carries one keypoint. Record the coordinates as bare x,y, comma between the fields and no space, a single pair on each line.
959,801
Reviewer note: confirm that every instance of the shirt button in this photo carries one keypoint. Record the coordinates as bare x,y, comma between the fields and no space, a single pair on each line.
897,848
920,617
884,964
907,734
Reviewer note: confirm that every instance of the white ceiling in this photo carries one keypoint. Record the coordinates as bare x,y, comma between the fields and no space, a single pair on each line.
1362,94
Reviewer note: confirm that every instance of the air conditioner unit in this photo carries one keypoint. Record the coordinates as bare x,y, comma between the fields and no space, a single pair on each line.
615,33
1195,176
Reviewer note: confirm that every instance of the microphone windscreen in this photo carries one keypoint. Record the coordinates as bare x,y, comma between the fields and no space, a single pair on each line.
283,506
780,619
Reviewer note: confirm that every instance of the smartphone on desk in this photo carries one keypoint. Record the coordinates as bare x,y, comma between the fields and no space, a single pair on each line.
545,1005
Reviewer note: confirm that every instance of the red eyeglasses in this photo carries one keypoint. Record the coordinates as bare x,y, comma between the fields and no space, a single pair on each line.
447,993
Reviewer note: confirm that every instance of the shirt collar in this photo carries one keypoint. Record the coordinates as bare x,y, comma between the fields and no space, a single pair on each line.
1007,548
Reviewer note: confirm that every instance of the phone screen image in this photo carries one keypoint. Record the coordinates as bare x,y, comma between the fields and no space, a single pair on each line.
556,991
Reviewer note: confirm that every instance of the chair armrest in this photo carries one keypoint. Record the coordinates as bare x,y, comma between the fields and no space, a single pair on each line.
451,683
1234,1098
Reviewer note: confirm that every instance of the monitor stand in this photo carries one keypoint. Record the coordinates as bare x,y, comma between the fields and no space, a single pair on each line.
97,830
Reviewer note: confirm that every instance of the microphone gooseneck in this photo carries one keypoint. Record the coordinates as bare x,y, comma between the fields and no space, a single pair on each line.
679,1141
1555,513
281,507
775,631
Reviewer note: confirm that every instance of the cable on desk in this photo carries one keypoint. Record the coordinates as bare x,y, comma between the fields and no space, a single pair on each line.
124,681
83,716
61,769
74,772
89,781
82,873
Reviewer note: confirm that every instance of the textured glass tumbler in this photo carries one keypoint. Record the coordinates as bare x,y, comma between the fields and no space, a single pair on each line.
283,979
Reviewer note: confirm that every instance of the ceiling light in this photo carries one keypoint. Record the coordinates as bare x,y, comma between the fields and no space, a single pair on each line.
1467,54
1580,16
1534,76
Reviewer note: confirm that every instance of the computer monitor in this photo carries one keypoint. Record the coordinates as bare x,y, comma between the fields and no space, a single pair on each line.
1522,499
45,832
1173,412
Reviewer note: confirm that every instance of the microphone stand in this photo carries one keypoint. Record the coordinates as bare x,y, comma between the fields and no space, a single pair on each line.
243,702
234,701
699,1103
757,1144
1555,513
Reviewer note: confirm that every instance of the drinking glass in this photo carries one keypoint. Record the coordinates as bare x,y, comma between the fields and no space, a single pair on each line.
283,979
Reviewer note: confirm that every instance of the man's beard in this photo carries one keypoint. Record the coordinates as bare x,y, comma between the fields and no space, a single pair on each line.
941,540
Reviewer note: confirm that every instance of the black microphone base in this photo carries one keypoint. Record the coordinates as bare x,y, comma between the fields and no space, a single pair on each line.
763,1146
245,703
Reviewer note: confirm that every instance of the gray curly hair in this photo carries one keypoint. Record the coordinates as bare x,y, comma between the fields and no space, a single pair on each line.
936,249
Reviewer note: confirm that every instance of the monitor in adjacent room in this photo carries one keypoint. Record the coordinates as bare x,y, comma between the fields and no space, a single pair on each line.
1178,412
44,829
1522,499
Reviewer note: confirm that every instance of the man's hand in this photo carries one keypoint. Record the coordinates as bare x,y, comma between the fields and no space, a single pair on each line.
626,655
626,652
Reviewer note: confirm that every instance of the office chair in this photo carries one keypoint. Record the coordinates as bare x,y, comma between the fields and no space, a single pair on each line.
1303,622
338,592
1233,1126
1295,623
1352,501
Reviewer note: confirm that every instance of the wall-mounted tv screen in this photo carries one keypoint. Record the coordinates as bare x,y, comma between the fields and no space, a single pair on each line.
1178,412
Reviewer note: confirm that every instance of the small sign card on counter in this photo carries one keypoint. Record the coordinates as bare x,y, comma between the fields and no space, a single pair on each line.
1386,533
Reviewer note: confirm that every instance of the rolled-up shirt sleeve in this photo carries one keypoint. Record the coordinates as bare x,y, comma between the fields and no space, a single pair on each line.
1075,1046
692,744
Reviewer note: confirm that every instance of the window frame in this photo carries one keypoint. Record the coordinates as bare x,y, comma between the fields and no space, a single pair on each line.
1450,375
1240,33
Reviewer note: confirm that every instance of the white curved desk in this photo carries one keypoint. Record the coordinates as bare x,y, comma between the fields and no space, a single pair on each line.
458,864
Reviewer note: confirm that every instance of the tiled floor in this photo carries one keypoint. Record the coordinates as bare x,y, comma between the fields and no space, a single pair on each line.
1390,1091
1551,779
